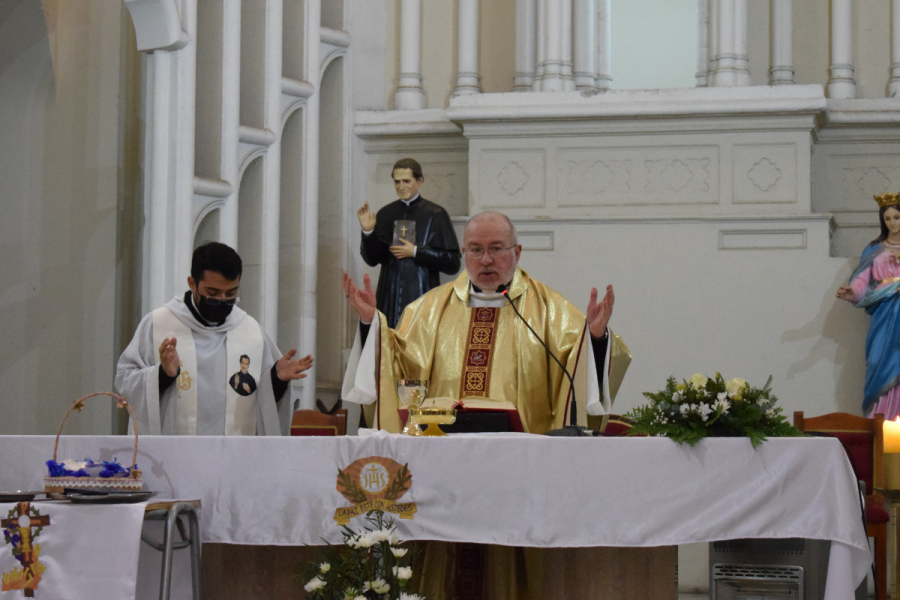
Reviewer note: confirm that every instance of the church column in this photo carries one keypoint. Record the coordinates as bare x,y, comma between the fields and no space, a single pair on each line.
602,44
741,59
894,85
166,38
305,389
540,27
467,80
410,94
703,43
585,71
730,43
525,35
782,42
556,64
842,83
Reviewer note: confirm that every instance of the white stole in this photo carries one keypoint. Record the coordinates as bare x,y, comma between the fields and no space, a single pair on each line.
240,411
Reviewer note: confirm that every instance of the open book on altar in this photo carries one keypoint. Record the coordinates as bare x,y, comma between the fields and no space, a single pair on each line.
476,415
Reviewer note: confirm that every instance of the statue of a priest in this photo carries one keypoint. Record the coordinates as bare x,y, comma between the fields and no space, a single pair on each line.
411,238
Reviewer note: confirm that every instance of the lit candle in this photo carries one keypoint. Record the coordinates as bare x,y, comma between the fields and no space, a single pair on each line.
891,432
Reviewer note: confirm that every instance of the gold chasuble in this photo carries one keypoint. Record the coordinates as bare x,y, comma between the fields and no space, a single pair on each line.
487,352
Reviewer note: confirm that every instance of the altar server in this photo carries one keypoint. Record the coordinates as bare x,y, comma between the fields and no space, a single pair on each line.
180,370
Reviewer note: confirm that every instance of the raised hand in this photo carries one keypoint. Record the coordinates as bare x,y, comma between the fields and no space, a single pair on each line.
366,218
598,313
361,300
287,369
845,293
168,357
404,250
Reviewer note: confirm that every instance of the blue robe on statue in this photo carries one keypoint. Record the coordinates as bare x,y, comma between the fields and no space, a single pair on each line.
882,302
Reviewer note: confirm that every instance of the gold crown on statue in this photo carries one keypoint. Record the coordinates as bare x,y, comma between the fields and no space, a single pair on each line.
887,199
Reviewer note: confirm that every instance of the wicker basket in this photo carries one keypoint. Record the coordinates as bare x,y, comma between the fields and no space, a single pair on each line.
130,482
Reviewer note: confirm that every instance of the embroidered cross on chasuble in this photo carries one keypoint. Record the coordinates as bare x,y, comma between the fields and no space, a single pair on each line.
476,379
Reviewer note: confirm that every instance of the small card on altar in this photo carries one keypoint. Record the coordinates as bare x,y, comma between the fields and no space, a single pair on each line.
404,231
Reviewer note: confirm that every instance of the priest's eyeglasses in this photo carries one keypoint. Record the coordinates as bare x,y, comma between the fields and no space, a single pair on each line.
477,252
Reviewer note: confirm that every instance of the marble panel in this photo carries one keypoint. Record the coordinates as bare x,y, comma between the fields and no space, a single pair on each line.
636,176
512,178
764,173
762,239
852,179
536,240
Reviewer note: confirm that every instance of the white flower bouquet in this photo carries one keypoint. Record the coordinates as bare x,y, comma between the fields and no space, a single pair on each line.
701,406
371,564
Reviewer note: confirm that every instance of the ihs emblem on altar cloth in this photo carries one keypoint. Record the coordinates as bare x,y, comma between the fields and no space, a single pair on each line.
374,483
17,530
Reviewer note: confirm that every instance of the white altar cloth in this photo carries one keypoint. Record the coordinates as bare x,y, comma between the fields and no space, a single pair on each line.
86,551
508,489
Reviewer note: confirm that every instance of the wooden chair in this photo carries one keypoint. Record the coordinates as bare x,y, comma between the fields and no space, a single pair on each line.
863,441
313,422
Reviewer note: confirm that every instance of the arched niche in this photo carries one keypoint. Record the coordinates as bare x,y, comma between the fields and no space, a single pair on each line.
251,235
330,301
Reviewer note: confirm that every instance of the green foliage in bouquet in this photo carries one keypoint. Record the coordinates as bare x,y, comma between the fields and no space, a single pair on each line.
370,565
694,409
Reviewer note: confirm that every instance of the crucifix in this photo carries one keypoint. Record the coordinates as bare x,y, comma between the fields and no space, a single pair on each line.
26,518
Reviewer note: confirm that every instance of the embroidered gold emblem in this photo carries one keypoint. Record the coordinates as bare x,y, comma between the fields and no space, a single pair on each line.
184,380
17,531
374,483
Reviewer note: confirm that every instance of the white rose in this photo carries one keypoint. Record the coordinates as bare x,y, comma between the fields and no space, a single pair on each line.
324,567
402,573
314,584
698,381
735,386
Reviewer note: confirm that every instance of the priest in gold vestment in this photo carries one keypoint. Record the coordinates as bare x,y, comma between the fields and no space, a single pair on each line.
465,339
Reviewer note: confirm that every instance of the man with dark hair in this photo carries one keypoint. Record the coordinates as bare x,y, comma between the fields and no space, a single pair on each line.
175,370
411,238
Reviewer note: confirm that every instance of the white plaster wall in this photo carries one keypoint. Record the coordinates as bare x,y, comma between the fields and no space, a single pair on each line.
61,70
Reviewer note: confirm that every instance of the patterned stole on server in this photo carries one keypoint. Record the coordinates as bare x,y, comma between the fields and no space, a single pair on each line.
477,363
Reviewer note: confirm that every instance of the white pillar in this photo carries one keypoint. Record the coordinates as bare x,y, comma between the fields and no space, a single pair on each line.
467,80
409,94
842,83
894,85
557,65
703,43
729,60
169,164
568,79
585,71
541,43
603,45
725,74
304,390
782,42
525,36
741,59
713,36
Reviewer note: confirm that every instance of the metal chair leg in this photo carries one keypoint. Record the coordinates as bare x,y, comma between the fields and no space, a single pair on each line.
165,583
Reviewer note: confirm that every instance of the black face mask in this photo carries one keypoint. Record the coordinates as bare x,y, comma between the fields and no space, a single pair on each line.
215,311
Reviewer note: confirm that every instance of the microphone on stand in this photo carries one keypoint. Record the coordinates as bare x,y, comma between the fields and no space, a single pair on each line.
572,429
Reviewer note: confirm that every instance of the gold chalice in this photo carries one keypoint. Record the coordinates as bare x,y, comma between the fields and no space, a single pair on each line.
433,416
411,393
